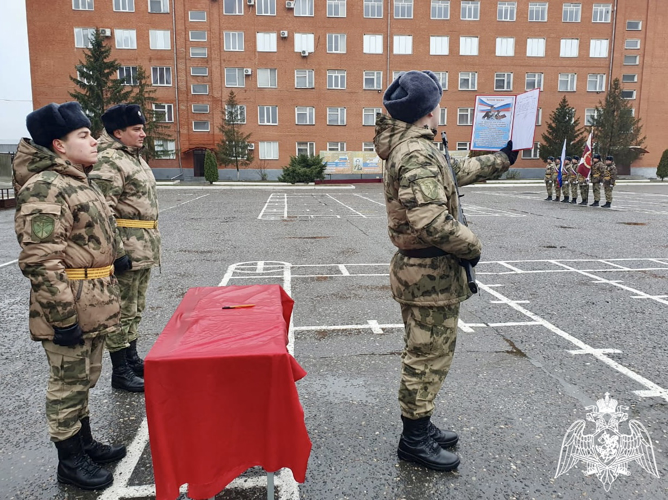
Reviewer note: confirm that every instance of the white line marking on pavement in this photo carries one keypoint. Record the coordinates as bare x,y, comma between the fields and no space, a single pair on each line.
372,201
347,327
375,327
514,323
516,302
9,263
344,271
592,351
615,265
189,201
464,327
512,268
649,296
349,208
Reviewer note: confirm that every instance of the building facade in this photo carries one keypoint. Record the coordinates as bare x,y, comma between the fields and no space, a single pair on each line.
309,74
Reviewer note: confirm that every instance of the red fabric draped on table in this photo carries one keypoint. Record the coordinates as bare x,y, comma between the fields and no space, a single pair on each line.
220,391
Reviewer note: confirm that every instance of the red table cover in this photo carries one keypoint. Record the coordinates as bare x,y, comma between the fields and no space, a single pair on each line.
220,392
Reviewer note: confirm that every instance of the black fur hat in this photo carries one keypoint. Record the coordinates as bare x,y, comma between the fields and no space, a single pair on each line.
596,156
550,158
55,121
568,158
576,158
609,158
122,116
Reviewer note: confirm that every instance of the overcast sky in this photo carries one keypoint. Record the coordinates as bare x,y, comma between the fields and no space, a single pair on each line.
15,90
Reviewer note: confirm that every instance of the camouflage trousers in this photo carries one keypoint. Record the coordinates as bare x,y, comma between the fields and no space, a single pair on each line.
133,285
548,186
584,191
557,189
574,190
73,372
607,188
596,189
430,337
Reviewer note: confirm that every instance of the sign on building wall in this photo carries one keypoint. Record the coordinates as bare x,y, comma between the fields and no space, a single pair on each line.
352,162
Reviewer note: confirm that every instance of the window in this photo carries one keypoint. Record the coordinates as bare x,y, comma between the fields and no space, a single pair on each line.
629,78
265,7
569,47
470,10
267,78
199,88
128,75
336,8
571,13
198,36
463,146
468,80
633,25
601,13
164,149
503,81
443,116
200,108
82,5
403,9
304,41
336,79
160,39
538,11
539,116
233,7
336,146
533,153
267,115
336,43
235,114
403,44
632,44
304,79
305,115
336,116
598,48
373,80
506,11
468,45
82,37
590,116
395,74
567,82
198,52
306,148
533,81
535,47
234,77
631,60
266,42
628,94
368,146
268,150
440,9
442,79
505,47
201,126
126,39
373,8
197,15
303,7
163,112
439,45
158,6
161,76
369,116
373,44
233,41
124,5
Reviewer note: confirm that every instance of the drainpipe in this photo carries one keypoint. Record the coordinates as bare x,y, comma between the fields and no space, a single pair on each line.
612,44
389,16
176,92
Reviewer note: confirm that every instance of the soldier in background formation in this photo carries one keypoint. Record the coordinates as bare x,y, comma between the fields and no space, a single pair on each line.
565,173
596,170
609,175
549,175
583,183
555,179
573,179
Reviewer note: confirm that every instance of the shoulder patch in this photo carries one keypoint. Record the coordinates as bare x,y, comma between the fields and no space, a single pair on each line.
42,226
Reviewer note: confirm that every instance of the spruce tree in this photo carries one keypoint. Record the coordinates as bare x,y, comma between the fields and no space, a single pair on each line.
616,130
210,167
662,169
233,147
99,87
563,125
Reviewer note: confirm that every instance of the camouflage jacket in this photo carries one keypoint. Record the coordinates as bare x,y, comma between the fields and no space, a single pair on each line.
596,171
550,170
555,174
129,186
422,203
609,174
62,221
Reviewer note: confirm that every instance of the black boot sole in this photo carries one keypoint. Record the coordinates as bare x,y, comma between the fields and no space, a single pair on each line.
107,460
407,457
85,487
123,387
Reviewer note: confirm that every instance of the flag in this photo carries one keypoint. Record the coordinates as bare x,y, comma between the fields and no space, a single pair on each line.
584,167
561,164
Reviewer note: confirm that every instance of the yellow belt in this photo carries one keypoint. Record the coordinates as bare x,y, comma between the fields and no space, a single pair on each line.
143,224
89,273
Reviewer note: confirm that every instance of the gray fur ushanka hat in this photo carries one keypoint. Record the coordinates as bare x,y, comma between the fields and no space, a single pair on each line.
412,95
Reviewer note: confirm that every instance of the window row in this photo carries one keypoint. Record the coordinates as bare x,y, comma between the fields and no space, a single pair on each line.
154,6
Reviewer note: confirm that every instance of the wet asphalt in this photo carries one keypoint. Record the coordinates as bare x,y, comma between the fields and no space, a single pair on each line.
560,320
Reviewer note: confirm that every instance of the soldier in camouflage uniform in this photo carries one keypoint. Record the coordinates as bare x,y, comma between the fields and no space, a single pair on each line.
425,273
555,180
565,173
130,189
549,174
573,178
596,170
68,252
609,175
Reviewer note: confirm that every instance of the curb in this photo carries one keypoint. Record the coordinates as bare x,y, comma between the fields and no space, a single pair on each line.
261,187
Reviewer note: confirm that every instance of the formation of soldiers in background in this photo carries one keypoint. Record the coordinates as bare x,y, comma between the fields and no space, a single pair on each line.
572,180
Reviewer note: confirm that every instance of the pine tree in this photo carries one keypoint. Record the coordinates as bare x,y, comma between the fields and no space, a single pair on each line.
210,167
99,87
563,125
616,130
662,169
233,147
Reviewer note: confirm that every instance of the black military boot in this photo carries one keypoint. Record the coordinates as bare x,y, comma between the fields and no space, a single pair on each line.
135,363
76,468
565,200
595,204
549,197
574,201
98,452
556,199
416,445
122,376
445,439
583,202
607,205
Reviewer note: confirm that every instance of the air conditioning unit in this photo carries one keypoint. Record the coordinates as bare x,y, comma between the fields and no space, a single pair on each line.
105,31
250,145
284,34
289,5
248,71
250,2
304,53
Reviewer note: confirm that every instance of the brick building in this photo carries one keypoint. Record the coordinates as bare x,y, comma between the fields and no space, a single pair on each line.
310,73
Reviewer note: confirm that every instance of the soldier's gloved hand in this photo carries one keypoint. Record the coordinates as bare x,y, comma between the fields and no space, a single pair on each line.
68,336
473,262
122,264
508,151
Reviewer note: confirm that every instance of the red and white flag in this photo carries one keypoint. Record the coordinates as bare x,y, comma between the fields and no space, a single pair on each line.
584,167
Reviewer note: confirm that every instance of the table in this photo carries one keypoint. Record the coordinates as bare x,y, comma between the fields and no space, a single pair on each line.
220,391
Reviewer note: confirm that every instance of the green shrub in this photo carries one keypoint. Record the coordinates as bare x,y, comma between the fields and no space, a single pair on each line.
210,167
662,169
303,168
